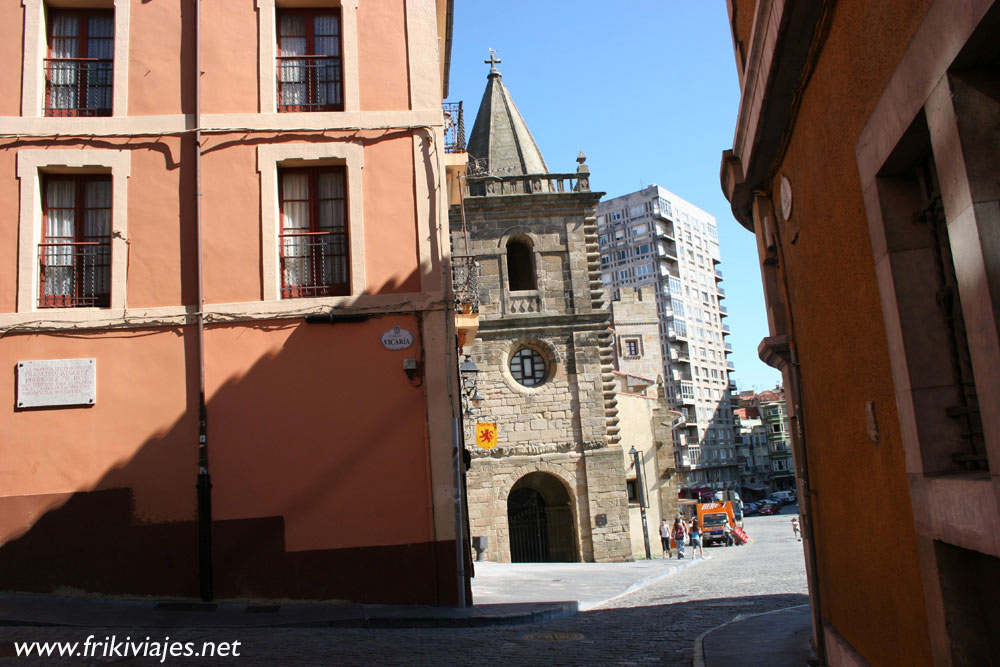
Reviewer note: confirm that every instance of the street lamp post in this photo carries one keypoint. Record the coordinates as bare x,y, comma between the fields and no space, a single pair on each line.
642,499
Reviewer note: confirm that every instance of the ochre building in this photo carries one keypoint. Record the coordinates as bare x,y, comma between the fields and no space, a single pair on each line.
865,163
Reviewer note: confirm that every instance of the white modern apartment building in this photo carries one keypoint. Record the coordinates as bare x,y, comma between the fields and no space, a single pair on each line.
653,237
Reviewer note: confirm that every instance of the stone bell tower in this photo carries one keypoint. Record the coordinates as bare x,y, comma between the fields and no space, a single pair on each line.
552,488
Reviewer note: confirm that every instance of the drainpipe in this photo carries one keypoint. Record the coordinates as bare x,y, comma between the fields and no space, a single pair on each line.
204,484
802,457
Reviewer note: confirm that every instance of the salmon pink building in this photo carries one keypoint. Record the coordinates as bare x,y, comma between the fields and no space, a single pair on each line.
226,315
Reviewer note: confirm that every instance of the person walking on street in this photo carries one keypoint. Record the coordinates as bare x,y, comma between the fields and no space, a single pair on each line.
727,533
696,539
795,528
665,538
679,533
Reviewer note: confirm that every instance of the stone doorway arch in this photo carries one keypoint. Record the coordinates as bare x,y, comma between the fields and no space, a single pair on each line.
540,521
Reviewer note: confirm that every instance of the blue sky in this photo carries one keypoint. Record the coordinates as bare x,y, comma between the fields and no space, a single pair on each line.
647,89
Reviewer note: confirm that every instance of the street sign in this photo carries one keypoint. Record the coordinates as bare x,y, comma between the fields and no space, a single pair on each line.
396,338
486,435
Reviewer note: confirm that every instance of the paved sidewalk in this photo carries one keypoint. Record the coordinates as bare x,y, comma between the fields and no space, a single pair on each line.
503,593
777,639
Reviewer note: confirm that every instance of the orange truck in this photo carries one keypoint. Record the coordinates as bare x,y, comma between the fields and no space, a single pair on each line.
712,518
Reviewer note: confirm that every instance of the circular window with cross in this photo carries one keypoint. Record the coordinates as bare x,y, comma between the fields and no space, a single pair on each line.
528,367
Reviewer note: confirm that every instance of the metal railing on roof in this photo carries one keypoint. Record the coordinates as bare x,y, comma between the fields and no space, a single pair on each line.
454,127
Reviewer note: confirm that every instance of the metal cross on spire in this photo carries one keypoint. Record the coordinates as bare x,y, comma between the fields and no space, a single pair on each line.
492,62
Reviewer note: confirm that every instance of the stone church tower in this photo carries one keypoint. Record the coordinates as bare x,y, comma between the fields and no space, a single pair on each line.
553,486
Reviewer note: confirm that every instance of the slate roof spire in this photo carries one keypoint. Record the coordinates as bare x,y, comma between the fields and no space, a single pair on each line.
500,135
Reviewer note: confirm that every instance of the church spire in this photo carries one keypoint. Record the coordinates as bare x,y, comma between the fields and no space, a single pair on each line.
500,135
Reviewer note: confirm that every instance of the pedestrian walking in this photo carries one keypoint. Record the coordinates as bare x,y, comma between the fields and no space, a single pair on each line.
665,538
727,533
795,528
680,533
696,539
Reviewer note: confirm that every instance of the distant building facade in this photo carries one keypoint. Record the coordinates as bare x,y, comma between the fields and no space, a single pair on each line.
644,414
654,238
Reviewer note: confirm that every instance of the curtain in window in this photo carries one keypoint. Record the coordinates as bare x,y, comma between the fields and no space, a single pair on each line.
292,72
100,44
326,29
331,220
59,229
96,260
295,223
63,76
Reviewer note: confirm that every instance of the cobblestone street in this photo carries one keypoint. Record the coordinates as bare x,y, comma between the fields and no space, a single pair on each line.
656,624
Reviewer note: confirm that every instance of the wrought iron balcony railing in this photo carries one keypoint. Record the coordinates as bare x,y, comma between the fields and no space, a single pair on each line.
309,83
78,86
465,281
454,127
74,274
313,264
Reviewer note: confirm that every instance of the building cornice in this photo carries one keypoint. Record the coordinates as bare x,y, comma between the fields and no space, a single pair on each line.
783,45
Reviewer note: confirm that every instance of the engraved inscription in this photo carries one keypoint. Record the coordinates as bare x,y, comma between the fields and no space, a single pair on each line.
56,382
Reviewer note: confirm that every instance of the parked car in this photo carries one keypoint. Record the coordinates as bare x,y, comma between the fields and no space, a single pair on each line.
771,508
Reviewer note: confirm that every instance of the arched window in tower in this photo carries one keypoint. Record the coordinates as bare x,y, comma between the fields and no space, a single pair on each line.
520,266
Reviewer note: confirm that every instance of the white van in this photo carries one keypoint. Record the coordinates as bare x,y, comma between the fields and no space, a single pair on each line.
786,497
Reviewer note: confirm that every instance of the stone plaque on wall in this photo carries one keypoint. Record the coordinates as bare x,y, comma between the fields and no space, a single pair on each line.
55,382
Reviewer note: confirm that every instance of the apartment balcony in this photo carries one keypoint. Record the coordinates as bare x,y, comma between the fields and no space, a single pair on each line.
465,274
668,269
728,347
731,366
722,292
685,393
718,274
78,86
309,83
723,311
454,127
74,274
731,386
726,330
669,250
677,333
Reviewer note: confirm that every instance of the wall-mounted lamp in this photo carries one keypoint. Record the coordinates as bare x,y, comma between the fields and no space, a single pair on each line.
468,371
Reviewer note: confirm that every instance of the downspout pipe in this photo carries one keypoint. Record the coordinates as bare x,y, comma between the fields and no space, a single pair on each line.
802,459
204,483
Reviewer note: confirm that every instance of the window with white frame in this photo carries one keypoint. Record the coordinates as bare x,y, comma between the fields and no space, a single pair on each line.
79,67
74,256
309,69
312,220
314,232
72,229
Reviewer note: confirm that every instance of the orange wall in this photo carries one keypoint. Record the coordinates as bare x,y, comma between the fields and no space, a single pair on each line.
382,56
11,50
866,538
285,438
229,57
319,424
141,433
10,203
157,32
390,266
